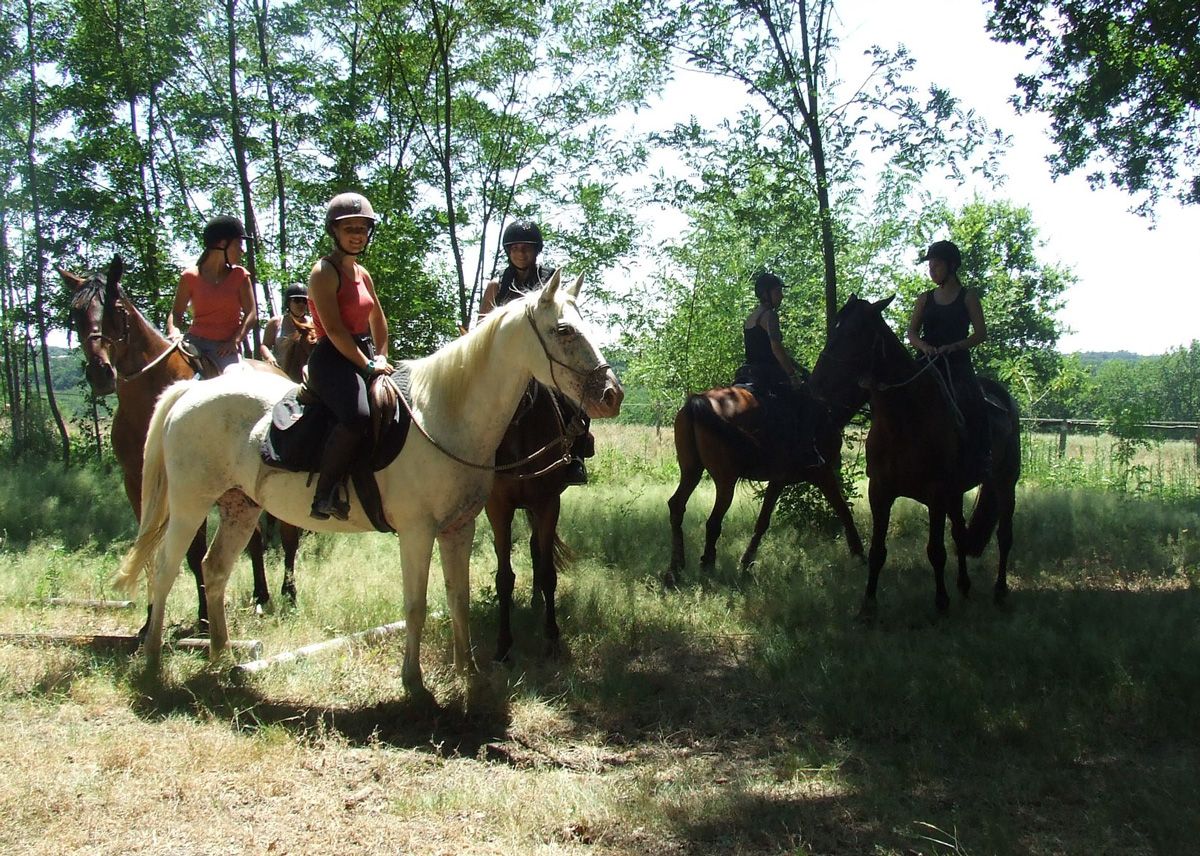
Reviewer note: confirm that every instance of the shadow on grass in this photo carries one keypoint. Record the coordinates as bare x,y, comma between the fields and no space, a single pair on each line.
460,727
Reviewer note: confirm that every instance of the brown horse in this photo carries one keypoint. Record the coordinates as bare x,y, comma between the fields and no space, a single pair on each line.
914,448
126,354
721,431
529,476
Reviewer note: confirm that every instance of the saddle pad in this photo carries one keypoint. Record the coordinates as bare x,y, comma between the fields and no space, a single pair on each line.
297,434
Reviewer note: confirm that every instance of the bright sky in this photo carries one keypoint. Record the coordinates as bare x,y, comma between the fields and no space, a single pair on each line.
1137,288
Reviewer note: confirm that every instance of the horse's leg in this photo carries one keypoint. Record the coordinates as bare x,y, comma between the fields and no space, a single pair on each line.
195,560
958,534
770,497
180,533
712,528
881,514
827,482
239,521
455,549
256,547
416,550
289,538
935,550
545,569
689,476
500,515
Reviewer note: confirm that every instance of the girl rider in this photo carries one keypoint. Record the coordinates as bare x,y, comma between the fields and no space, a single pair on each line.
947,321
219,292
352,343
523,242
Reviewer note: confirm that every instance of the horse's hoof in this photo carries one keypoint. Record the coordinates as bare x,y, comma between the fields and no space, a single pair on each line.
420,697
1000,594
554,649
942,604
868,612
670,581
259,610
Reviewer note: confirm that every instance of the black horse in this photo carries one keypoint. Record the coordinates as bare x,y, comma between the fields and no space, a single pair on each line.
915,449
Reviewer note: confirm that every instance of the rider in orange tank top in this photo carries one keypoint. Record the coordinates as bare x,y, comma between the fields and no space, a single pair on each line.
219,292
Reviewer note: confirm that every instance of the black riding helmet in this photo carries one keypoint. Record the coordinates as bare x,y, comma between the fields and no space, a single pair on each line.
522,232
765,282
219,231
293,290
947,251
347,206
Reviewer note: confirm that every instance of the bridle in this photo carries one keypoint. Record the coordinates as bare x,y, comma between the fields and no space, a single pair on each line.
568,431
878,344
121,337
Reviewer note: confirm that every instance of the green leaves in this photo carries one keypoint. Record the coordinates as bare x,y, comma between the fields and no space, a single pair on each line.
1118,82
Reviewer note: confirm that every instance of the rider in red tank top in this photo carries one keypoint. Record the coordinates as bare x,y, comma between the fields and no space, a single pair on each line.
220,294
352,345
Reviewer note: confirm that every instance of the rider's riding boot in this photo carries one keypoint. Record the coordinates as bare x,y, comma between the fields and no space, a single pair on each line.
332,498
575,472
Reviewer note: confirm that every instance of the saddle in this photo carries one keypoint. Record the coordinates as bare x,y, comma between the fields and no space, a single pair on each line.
789,418
200,364
300,425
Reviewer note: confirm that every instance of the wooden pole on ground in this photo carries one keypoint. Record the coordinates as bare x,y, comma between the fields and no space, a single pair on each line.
254,666
119,641
89,603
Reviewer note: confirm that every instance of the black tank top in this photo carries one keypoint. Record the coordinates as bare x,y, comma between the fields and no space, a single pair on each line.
758,345
945,325
510,291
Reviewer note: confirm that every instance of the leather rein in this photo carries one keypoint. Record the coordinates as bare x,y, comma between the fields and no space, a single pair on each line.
567,431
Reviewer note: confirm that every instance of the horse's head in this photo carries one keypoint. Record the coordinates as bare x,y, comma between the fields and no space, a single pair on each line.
94,319
564,356
847,365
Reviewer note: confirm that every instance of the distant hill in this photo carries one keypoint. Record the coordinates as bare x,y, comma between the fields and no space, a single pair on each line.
1095,358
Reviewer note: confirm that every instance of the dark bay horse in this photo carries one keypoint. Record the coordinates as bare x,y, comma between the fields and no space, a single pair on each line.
530,476
719,431
126,354
914,447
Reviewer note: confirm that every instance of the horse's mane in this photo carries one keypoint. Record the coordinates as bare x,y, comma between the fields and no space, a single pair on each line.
92,288
452,367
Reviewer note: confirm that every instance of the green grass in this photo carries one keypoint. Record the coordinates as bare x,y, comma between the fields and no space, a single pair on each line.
736,714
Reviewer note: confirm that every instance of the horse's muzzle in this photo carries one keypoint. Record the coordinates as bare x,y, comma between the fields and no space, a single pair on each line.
101,377
603,394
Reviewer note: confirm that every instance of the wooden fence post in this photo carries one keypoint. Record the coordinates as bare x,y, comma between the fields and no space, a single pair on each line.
1062,439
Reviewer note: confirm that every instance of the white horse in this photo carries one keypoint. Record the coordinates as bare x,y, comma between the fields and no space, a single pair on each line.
204,441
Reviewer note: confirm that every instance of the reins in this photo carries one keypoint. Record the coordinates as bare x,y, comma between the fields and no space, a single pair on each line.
568,431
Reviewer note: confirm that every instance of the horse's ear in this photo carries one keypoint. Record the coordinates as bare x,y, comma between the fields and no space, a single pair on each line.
880,305
573,288
115,269
551,287
70,278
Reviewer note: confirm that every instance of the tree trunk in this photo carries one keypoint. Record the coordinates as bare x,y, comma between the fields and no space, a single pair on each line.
12,377
239,154
260,20
39,260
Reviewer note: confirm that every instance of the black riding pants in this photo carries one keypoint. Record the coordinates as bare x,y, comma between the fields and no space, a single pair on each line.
338,384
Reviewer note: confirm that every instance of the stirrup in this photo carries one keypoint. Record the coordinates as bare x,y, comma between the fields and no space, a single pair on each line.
333,504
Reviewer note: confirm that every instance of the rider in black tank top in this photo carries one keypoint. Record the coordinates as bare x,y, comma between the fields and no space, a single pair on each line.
947,322
774,376
523,242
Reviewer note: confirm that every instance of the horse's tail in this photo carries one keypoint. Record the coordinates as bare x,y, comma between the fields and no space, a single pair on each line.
156,511
1006,469
984,517
563,554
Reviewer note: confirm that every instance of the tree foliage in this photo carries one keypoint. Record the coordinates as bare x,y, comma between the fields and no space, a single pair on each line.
1120,84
